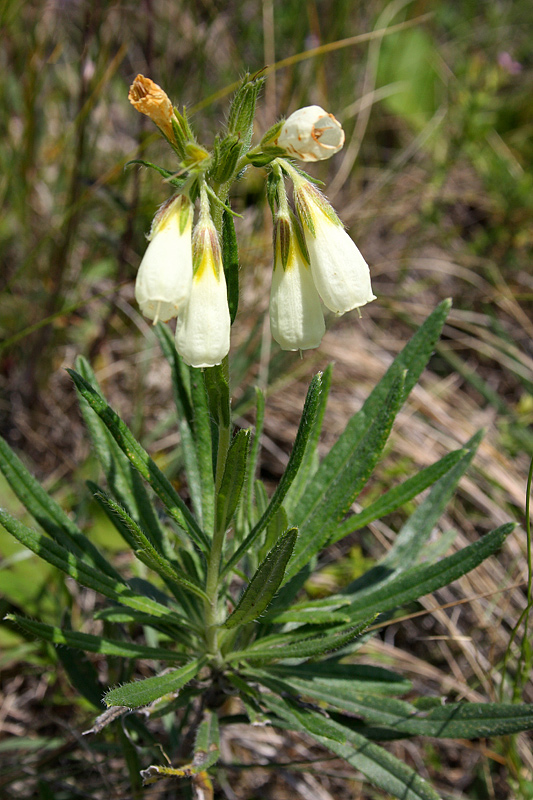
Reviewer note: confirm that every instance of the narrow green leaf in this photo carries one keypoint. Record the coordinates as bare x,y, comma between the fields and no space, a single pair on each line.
48,513
140,693
309,413
397,496
251,467
412,361
93,644
230,259
141,461
264,650
379,766
264,583
360,677
217,387
67,562
146,552
123,480
344,487
233,479
207,743
423,579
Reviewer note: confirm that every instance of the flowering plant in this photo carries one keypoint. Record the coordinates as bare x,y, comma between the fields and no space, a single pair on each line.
222,598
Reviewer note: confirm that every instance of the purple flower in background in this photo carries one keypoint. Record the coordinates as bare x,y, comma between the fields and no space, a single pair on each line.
507,62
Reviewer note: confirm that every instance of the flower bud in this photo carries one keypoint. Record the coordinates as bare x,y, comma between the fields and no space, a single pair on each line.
311,134
150,99
203,329
164,278
296,319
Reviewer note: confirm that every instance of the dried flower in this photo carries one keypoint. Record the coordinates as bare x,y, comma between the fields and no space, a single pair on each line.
150,99
164,278
311,134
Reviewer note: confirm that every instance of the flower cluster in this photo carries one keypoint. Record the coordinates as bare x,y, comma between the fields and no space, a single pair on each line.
315,261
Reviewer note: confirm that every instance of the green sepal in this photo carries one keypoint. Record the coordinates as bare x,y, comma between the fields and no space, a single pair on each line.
272,133
264,583
140,693
230,259
233,479
242,109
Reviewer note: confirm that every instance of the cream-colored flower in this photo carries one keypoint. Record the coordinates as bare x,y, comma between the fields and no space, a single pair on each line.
311,134
339,271
203,329
296,318
150,99
164,278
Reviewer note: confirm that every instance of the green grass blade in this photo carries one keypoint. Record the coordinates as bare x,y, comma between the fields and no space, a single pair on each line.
48,513
93,644
264,583
309,413
141,461
140,693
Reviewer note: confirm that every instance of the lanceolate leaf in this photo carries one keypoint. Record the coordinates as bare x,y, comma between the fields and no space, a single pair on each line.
206,746
48,513
396,497
379,766
361,677
344,487
423,579
265,650
66,561
412,360
230,258
93,644
310,410
140,693
141,460
264,583
233,479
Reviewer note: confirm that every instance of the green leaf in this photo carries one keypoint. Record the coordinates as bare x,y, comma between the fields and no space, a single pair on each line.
141,460
217,387
67,562
175,181
146,552
360,677
352,473
265,650
93,644
207,743
233,479
230,259
123,480
251,467
140,693
397,496
264,583
423,579
309,413
449,721
48,513
411,361
380,767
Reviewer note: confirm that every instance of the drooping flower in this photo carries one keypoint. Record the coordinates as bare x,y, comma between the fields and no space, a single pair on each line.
339,271
296,318
164,278
311,134
150,99
203,328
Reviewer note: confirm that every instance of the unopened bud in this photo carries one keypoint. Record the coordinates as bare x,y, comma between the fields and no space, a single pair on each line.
150,99
311,134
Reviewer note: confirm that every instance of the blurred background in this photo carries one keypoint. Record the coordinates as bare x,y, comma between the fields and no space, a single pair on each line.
435,185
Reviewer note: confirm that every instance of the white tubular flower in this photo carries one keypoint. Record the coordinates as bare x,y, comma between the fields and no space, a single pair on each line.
340,273
203,329
164,278
311,134
296,318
